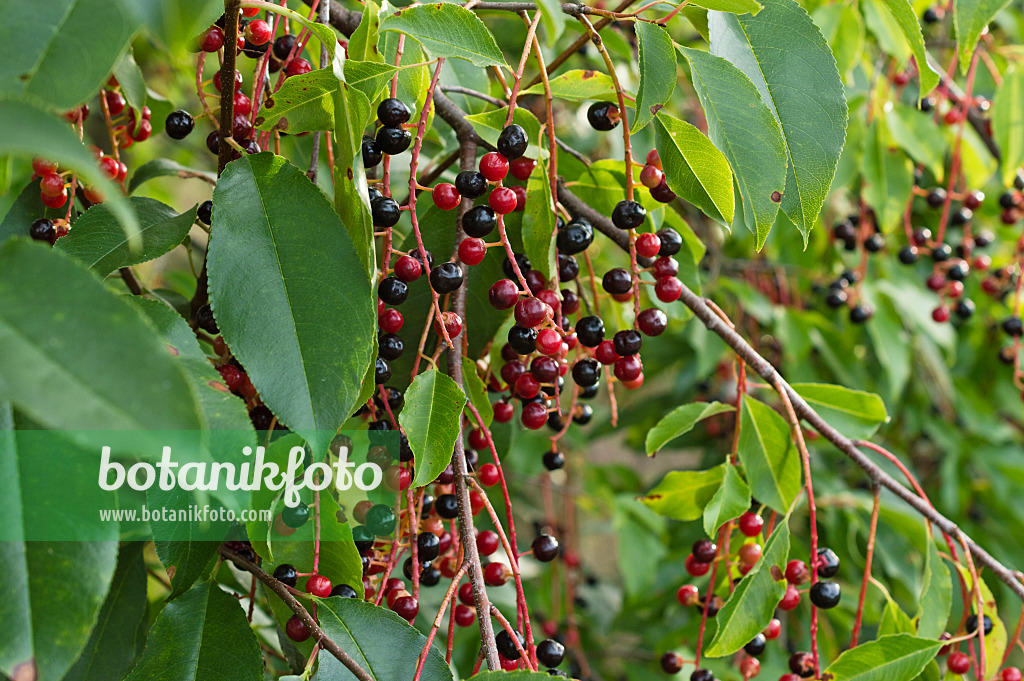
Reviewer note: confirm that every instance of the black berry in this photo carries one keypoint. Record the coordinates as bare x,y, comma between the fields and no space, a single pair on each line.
550,652
385,212
603,116
43,230
825,594
390,346
617,281
756,645
586,372
480,221
205,320
522,339
445,278
381,371
554,461
671,242
512,142
545,549
372,154
575,238
590,331
471,184
428,546
627,342
506,646
447,506
392,112
179,124
393,140
205,212
828,563
628,215
344,590
286,574
392,291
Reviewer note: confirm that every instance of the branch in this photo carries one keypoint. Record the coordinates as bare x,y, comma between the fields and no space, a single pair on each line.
303,614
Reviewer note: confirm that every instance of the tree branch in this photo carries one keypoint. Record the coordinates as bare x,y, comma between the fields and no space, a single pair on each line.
281,590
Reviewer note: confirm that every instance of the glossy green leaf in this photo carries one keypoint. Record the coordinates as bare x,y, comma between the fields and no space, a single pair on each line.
682,495
447,30
25,210
843,28
770,461
657,65
891,658
129,77
694,169
30,131
307,338
854,413
202,636
917,134
163,167
53,590
476,391
1008,123
176,24
303,104
743,127
99,242
903,13
936,598
56,351
752,605
370,77
736,6
577,85
539,223
731,500
552,18
381,642
362,46
351,193
970,18
680,421
63,53
120,631
431,420
796,74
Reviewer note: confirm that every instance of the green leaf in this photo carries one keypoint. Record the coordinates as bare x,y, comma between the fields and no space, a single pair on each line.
447,30
577,86
995,640
120,630
553,19
854,413
476,391
680,421
176,24
891,658
25,210
381,642
694,168
731,499
1008,123
202,636
843,28
936,595
682,495
770,461
918,135
163,167
129,77
752,605
431,420
903,12
970,18
53,590
362,46
30,131
307,338
351,193
99,243
303,104
796,74
743,127
370,77
62,54
737,6
657,66
539,223
56,352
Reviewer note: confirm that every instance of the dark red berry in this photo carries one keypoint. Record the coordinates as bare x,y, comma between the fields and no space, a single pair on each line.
445,196
472,251
296,629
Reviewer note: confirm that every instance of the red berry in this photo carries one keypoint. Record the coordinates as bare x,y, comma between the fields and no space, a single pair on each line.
466,594
936,282
250,11
297,67
668,289
477,439
791,599
955,289
953,116
696,568
503,294
648,245
654,159
115,103
503,412
318,585
522,167
494,167
502,200
652,321
487,542
217,85
56,201
488,475
464,615
296,629
772,631
1011,674
688,595
408,268
958,663
391,321
549,341
472,251
941,314
476,502
52,185
665,267
109,167
41,167
496,574
143,132
232,375
651,176
520,193
258,32
750,553
797,572
605,353
750,667
407,608
446,196
534,415
751,524
211,41
452,324
628,368
242,104
527,387
507,664
530,312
